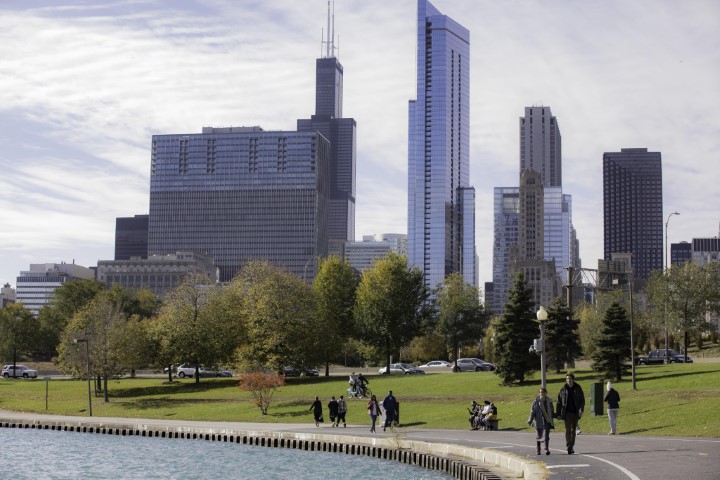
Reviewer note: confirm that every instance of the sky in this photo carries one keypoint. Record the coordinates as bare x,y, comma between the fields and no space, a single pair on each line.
85,84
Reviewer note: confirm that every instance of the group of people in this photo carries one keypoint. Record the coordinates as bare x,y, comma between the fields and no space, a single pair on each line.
481,418
337,410
570,407
358,385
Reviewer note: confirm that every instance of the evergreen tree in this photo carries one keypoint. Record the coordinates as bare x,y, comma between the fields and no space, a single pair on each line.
613,344
561,335
514,334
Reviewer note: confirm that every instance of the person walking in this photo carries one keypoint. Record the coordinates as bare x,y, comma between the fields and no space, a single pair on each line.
374,412
342,410
541,417
390,406
333,411
570,406
612,398
316,407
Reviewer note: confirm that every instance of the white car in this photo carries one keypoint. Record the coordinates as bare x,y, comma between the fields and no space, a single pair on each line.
20,371
188,370
438,365
402,368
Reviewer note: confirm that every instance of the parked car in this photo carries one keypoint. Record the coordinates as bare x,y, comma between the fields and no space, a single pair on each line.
296,372
402,368
657,357
20,371
188,370
440,365
473,365
173,367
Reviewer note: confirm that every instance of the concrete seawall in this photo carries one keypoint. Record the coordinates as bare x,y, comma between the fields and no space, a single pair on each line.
461,462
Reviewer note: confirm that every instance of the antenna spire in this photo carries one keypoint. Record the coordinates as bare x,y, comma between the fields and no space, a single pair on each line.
329,42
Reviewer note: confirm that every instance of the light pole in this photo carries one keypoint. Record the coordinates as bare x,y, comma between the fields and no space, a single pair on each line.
632,336
542,316
87,355
667,336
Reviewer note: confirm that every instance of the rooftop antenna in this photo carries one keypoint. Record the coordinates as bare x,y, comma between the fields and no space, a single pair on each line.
329,43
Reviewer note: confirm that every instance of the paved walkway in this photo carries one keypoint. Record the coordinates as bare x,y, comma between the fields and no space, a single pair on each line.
601,457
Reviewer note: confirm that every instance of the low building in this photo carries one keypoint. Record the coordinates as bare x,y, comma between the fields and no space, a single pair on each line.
36,287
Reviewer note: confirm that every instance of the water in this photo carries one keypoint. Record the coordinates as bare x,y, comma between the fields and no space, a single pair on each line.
48,454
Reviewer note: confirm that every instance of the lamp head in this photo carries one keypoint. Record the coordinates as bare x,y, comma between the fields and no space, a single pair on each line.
542,314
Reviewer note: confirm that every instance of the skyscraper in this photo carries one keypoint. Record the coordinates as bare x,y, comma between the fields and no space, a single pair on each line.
131,237
540,145
505,234
240,194
341,134
633,208
439,194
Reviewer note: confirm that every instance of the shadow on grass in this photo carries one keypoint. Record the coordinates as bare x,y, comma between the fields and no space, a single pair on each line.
167,402
175,387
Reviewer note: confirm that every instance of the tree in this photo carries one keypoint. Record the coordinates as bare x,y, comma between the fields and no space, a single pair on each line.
462,317
334,291
18,328
562,338
613,344
683,294
279,318
391,304
514,334
262,386
193,325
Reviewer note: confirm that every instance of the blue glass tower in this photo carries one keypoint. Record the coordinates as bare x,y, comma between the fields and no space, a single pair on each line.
439,240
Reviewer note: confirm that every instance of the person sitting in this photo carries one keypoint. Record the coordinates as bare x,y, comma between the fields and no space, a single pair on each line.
486,410
474,412
490,417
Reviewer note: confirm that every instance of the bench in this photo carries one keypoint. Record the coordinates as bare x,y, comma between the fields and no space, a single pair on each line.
493,424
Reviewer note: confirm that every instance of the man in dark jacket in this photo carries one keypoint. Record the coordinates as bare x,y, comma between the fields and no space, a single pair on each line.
390,406
570,406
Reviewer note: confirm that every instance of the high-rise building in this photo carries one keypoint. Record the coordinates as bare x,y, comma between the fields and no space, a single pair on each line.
439,194
505,235
239,194
131,237
540,145
341,134
362,255
559,237
680,253
36,287
633,208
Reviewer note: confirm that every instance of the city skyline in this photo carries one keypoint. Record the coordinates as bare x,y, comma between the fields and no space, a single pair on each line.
83,87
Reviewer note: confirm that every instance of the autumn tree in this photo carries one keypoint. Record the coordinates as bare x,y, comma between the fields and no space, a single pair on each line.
461,316
514,334
391,305
262,386
613,344
334,293
561,335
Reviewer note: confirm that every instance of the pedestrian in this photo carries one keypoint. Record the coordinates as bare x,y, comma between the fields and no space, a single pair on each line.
570,406
316,407
374,412
390,406
342,410
612,398
333,411
541,417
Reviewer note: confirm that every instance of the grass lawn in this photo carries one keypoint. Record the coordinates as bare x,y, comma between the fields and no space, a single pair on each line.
673,400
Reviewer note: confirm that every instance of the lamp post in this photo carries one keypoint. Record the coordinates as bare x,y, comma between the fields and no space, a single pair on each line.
632,336
87,355
667,265
542,316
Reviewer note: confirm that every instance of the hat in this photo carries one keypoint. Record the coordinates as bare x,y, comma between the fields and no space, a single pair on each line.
486,402
609,386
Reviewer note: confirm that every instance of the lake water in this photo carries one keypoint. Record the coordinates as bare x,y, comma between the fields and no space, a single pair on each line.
48,454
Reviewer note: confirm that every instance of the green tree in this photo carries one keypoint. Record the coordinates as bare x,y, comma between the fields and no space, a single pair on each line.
682,295
613,344
192,325
334,291
429,347
514,334
18,330
391,305
562,338
461,317
279,315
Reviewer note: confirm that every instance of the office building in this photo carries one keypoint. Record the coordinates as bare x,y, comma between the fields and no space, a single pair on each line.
362,255
633,208
341,132
7,295
131,237
505,234
241,193
680,253
540,145
559,239
158,273
35,287
439,194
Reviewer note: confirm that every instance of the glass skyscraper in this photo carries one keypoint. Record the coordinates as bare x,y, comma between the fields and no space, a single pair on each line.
540,145
240,194
633,208
439,214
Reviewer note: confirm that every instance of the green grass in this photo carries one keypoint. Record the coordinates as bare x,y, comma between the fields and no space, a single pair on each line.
672,400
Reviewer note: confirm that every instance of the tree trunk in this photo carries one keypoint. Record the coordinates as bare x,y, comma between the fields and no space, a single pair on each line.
105,389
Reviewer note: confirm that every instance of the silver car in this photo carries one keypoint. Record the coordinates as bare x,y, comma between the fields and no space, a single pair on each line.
20,371
473,365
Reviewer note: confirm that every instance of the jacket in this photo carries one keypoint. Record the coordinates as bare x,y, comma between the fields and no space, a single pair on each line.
613,399
579,398
537,418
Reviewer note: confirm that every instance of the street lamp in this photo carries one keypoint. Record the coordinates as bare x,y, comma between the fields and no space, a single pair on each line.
667,336
542,315
87,355
632,336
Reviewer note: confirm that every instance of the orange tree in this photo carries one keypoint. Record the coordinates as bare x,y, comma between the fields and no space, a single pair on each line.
262,386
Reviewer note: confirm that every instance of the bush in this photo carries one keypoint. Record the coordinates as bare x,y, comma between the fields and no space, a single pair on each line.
262,386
